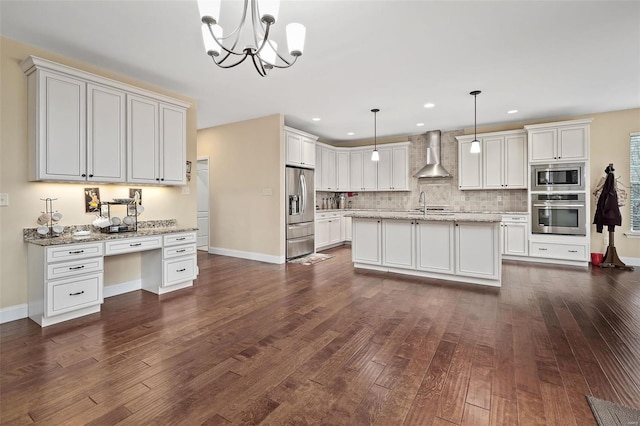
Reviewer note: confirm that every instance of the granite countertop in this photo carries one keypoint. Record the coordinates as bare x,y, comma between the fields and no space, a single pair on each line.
443,217
145,229
414,211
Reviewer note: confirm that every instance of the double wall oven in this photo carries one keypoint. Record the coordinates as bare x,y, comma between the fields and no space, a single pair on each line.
558,201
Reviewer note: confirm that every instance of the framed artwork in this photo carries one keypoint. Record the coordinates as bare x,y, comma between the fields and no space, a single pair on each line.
91,200
136,193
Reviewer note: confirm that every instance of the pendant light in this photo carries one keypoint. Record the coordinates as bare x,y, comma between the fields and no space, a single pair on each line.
475,144
375,156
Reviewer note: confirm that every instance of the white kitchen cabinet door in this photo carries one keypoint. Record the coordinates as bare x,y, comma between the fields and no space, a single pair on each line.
106,143
369,171
308,152
493,160
398,241
142,140
400,169
572,143
515,240
347,223
322,233
469,168
477,250
293,146
434,246
355,171
385,169
318,174
542,145
60,141
173,146
515,162
342,172
335,230
328,169
367,241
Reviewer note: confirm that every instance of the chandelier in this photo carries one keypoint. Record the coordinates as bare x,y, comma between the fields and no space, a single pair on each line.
224,49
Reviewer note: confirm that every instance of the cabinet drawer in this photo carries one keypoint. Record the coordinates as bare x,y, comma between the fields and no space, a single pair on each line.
558,251
130,245
174,239
515,218
74,293
73,252
177,251
179,270
327,215
78,267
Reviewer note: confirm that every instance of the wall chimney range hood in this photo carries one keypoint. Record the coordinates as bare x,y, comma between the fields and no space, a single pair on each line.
433,169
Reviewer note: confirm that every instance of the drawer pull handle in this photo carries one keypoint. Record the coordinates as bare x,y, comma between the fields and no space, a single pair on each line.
135,245
181,251
76,252
76,268
542,249
77,293
181,239
573,251
181,270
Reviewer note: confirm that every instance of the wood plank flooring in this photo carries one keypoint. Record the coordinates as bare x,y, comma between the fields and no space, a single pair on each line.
255,343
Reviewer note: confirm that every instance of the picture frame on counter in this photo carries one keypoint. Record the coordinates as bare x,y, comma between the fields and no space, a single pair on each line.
91,200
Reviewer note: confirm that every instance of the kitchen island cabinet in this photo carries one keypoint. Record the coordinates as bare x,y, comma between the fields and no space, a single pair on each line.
456,247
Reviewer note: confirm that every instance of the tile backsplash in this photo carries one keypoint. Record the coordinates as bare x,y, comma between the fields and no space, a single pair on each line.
441,192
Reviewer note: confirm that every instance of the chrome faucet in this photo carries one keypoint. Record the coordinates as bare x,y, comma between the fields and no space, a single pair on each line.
423,200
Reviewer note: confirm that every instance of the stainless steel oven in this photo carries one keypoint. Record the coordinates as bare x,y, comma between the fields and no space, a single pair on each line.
561,214
557,177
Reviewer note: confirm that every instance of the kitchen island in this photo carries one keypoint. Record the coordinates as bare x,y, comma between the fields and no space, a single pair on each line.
461,247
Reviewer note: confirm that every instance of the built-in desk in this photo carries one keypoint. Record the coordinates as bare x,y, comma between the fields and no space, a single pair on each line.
66,275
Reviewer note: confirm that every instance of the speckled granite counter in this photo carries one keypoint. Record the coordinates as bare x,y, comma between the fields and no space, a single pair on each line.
443,216
147,228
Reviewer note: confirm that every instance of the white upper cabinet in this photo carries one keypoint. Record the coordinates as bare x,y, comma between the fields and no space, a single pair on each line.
318,176
81,128
342,172
355,172
329,169
393,168
106,135
559,142
300,148
501,164
57,128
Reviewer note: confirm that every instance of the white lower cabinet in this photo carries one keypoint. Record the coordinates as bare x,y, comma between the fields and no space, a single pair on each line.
65,281
515,235
367,241
477,249
559,250
434,247
329,230
179,264
398,238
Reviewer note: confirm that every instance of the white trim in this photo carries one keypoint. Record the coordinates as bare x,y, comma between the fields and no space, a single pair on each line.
632,234
578,263
558,123
12,313
631,261
424,274
261,257
121,288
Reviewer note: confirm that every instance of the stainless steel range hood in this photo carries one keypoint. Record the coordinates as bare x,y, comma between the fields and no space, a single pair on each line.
433,169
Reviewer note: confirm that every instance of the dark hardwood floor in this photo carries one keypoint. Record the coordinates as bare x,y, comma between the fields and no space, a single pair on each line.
293,344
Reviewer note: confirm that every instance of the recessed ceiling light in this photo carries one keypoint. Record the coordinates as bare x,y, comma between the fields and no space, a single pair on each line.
429,105
420,124
512,111
316,118
350,133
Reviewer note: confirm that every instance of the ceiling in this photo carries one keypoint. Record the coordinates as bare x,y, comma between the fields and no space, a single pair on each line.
544,58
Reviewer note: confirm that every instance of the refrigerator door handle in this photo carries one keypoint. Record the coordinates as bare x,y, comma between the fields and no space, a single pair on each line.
303,195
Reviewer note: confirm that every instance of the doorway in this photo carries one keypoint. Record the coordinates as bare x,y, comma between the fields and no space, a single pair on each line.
203,204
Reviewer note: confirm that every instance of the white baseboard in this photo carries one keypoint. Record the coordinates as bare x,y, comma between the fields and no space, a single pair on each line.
121,288
247,255
13,313
631,261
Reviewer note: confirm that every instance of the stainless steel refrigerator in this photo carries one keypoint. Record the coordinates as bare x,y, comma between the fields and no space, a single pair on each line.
299,191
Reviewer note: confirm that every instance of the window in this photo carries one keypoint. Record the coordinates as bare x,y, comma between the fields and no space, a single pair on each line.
635,181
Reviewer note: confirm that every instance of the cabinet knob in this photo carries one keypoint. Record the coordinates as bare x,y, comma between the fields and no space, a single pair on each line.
90,175
84,175
162,179
157,178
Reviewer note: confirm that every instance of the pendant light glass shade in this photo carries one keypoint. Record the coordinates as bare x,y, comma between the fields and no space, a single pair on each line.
210,46
209,10
295,38
269,10
375,156
475,144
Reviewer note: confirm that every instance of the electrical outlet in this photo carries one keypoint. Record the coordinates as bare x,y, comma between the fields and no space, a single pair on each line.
186,190
4,199
499,198
462,198
267,191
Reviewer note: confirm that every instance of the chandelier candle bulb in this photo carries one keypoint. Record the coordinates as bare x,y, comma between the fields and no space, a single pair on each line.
268,53
295,38
210,46
269,10
209,11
